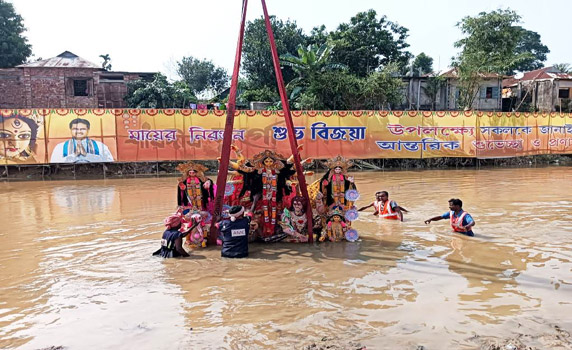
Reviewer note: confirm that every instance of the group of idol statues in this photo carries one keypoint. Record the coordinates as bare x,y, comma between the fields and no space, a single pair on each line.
267,187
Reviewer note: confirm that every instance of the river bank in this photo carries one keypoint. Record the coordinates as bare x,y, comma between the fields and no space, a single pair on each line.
166,169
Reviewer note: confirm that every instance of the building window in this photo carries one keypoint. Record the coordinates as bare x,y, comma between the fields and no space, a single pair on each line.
489,93
80,87
564,93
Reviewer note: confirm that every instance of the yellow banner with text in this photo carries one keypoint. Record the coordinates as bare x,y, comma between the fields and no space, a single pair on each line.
42,136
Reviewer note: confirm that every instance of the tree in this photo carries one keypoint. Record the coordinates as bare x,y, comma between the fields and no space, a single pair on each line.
489,46
563,67
432,89
422,64
14,47
339,90
367,43
318,36
311,60
106,65
158,93
336,90
257,58
261,94
491,42
202,76
383,89
530,43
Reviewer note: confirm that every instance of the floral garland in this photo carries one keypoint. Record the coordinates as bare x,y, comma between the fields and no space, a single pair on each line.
338,190
194,193
269,190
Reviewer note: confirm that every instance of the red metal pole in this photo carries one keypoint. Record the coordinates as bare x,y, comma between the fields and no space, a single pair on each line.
225,153
289,123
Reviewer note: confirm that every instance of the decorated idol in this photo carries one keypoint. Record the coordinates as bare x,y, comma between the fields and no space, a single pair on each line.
235,192
195,191
336,227
267,175
336,183
294,221
194,223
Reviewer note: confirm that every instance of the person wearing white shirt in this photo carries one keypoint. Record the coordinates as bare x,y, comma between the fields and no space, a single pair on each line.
80,148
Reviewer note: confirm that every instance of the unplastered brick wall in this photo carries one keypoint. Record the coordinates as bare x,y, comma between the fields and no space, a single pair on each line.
54,87
11,88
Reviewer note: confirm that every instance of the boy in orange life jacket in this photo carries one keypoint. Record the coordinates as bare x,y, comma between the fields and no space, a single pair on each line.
385,208
460,220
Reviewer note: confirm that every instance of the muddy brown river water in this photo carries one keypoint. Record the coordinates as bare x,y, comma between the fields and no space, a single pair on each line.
76,269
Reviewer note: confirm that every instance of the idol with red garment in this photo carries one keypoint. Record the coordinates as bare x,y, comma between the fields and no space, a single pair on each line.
267,174
195,191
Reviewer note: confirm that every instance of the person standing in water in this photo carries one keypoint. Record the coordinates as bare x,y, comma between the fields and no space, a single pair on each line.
385,208
172,239
233,232
461,221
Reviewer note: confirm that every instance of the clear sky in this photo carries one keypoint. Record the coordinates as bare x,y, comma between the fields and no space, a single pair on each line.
149,36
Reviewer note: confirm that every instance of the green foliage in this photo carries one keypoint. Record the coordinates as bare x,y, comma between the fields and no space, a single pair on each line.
432,89
14,47
383,89
491,42
318,36
367,43
530,43
158,93
563,67
311,61
257,59
339,90
106,65
202,76
422,64
262,94
308,101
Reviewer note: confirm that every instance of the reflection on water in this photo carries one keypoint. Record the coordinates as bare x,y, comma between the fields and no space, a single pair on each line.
76,270
80,199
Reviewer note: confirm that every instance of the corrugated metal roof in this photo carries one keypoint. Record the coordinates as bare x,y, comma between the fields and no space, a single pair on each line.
453,73
546,73
64,60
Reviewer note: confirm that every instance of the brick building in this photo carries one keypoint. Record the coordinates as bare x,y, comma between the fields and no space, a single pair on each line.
64,81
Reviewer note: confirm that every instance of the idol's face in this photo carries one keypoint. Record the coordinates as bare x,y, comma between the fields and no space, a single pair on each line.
192,173
79,131
337,218
268,162
15,136
337,170
298,206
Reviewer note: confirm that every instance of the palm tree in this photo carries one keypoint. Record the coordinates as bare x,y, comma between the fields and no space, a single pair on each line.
563,67
311,60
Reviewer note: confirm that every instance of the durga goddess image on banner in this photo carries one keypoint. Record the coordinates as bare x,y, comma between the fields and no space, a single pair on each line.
19,139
